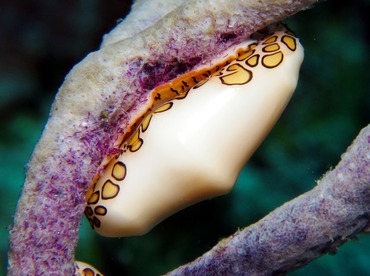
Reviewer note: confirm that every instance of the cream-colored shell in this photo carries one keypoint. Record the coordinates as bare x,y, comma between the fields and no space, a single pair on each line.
193,147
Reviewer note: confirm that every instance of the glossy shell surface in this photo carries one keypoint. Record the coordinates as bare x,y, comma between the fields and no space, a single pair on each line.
195,136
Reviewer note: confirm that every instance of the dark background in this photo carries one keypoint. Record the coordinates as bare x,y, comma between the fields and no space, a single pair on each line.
41,41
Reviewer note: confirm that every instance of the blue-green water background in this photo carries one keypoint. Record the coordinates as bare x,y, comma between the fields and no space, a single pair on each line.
40,42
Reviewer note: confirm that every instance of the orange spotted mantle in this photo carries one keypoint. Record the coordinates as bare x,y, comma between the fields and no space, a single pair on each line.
265,49
85,269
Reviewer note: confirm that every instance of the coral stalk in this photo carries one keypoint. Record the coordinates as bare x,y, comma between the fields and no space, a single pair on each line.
301,230
95,104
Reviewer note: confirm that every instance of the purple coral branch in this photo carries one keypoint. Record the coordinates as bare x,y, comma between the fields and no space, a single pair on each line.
315,223
96,103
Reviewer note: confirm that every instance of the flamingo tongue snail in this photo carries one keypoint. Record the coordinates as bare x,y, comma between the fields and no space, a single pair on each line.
85,269
195,135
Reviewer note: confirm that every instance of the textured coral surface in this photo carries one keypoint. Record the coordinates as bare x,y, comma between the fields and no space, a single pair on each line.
317,222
